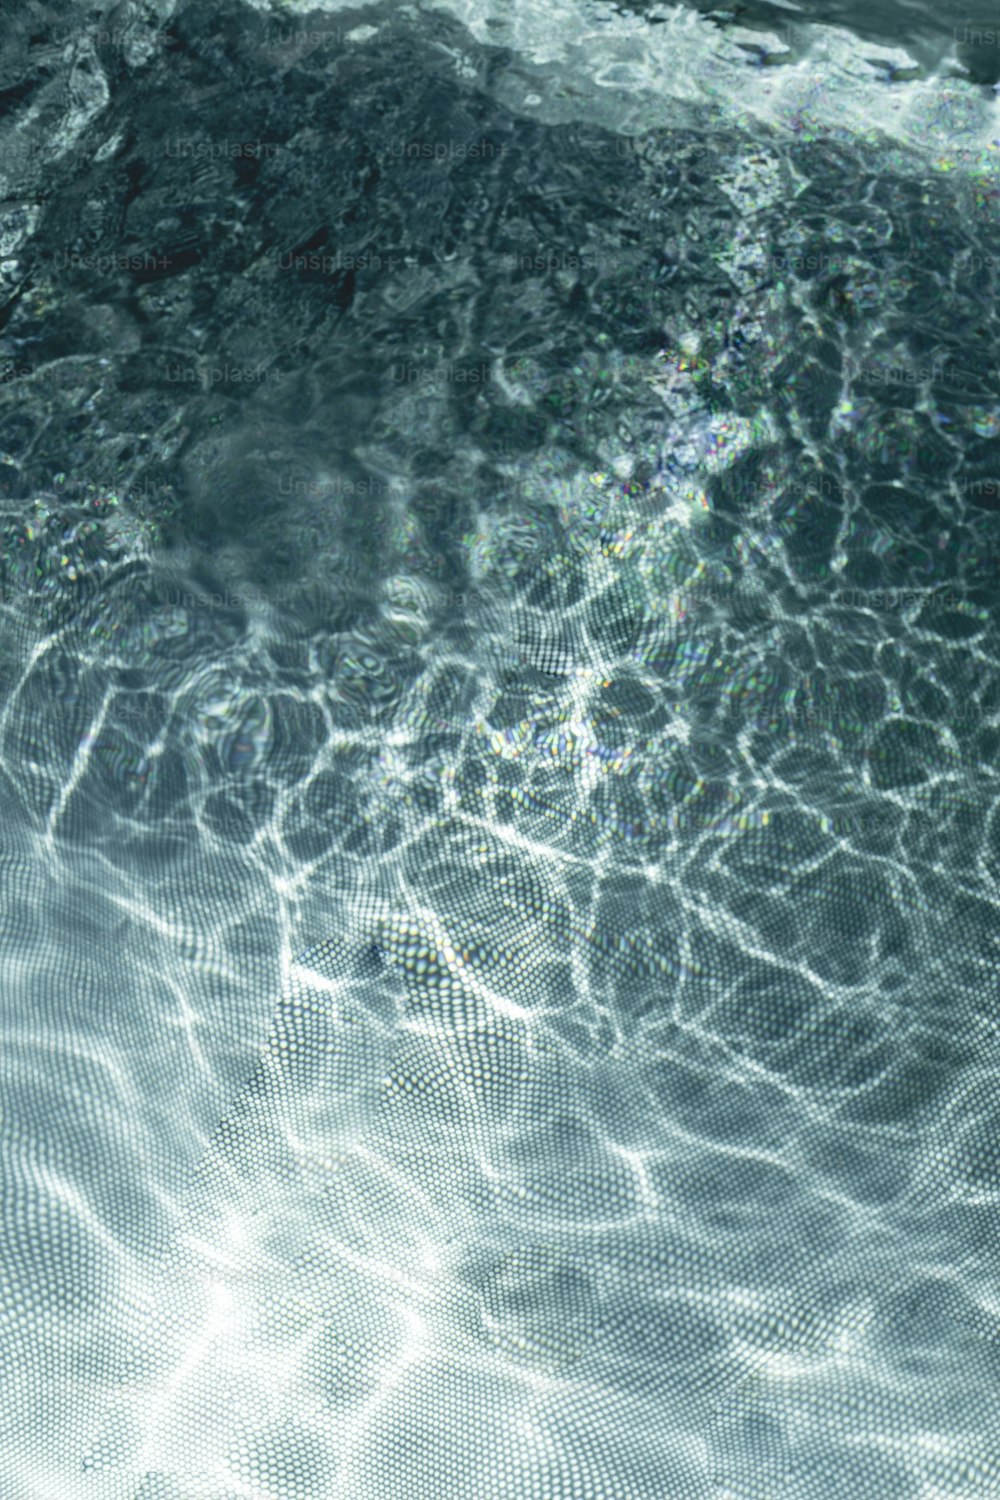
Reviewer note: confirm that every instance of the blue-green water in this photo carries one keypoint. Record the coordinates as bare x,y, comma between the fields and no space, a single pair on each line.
499,712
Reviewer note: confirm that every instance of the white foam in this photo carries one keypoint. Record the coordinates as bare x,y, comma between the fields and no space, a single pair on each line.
579,60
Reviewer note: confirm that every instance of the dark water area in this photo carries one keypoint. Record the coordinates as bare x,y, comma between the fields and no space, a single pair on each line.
499,717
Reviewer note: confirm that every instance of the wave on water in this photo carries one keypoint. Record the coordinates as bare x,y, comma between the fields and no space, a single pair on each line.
499,691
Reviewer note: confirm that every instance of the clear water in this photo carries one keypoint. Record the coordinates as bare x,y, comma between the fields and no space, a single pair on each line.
499,712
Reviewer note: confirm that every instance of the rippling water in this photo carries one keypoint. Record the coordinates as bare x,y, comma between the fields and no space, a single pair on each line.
499,713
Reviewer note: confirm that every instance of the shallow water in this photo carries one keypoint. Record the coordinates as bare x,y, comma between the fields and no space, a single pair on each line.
498,727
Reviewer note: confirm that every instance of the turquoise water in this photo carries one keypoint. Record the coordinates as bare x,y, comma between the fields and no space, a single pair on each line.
498,732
